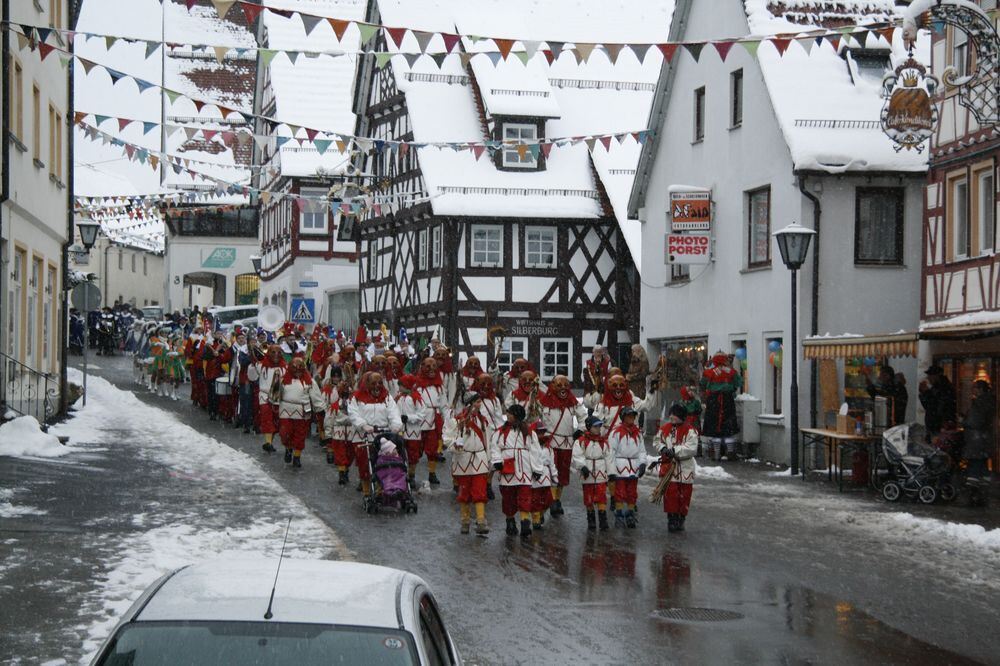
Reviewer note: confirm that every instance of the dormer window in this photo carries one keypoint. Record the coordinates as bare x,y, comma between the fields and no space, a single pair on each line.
870,65
519,157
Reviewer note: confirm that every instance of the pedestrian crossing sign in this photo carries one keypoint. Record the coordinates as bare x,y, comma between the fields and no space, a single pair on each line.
303,310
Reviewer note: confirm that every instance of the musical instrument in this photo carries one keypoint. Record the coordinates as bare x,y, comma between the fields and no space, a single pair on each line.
534,406
223,386
594,386
495,336
656,494
274,393
271,318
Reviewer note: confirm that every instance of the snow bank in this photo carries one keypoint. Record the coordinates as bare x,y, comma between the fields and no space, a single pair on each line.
712,472
9,510
23,438
784,472
957,533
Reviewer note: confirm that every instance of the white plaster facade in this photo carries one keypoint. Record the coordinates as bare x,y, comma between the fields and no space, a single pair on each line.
223,257
124,273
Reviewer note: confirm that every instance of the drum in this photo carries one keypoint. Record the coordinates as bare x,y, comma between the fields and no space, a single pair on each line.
223,387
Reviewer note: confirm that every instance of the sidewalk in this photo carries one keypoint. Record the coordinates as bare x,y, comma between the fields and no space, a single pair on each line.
139,494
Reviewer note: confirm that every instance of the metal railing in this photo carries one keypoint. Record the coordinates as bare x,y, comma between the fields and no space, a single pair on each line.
26,391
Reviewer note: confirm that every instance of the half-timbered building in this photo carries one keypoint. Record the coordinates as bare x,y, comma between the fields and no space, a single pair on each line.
960,295
305,252
465,238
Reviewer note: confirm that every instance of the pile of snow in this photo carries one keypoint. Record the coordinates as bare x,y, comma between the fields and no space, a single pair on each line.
23,438
981,318
712,472
961,534
785,472
10,510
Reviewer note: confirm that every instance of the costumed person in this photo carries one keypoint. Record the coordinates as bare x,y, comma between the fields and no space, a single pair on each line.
595,372
631,459
176,367
430,384
268,373
593,460
541,486
339,432
328,377
412,414
677,443
937,395
720,384
298,398
470,371
393,371
465,434
449,376
510,380
638,370
691,403
494,413
158,349
215,354
371,409
516,457
527,395
564,417
980,441
241,382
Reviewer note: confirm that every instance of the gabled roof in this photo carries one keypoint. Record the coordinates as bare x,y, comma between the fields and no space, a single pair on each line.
577,99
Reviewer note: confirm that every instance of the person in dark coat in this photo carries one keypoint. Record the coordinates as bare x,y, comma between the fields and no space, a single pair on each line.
937,395
893,391
980,431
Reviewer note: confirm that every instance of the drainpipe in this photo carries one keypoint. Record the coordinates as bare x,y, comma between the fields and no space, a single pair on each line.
5,150
814,323
70,222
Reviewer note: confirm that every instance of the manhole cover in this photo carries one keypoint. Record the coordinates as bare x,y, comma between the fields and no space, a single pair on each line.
697,614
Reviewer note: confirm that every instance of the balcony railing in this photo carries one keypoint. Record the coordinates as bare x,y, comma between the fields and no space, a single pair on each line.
26,391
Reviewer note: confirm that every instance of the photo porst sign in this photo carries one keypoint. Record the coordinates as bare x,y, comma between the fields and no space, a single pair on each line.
689,248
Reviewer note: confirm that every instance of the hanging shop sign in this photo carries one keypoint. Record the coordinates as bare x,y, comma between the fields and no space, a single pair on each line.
909,115
693,248
690,211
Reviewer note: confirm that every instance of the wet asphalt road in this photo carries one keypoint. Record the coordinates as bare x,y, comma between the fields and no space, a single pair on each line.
795,591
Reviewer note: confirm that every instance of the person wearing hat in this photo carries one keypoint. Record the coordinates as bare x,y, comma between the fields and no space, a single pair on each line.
630,465
196,369
937,395
338,431
541,488
298,397
516,457
371,409
719,384
564,417
412,412
267,373
465,434
431,386
176,369
593,460
677,442
980,440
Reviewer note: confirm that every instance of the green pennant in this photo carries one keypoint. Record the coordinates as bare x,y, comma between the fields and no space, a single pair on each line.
266,56
322,145
751,47
367,31
522,56
382,59
172,95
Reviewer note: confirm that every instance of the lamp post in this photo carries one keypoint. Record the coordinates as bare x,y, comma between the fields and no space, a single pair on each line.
88,236
793,243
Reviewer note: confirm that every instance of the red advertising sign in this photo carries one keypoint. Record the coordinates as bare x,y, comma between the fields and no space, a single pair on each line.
690,211
689,248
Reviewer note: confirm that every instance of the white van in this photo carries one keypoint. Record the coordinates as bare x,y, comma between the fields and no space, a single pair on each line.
225,317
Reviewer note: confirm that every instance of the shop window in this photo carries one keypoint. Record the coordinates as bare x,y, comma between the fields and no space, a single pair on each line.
540,247
487,245
741,363
680,272
984,200
958,214
759,228
556,358
513,156
736,99
775,361
699,114
878,226
512,349
343,307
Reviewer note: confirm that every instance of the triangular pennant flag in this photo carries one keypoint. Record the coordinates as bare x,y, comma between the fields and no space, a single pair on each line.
723,49
100,119
44,49
556,48
450,41
522,56
396,35
583,51
834,41
64,60
43,33
151,48
367,31
477,151
198,105
109,41
251,11
260,140
339,27
220,53
129,150
223,7
311,133
494,57
78,116
115,75
546,148
208,135
23,42
806,44
590,143
423,39
28,30
382,59
534,150
606,142
530,48
411,58
751,47
504,46
322,145
694,48
640,50
613,50
887,33
147,127
281,140
667,50
292,56
123,123
143,85
172,95
464,58
780,44
309,22
266,56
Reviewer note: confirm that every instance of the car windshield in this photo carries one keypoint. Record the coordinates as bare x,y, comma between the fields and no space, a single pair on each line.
229,316
249,643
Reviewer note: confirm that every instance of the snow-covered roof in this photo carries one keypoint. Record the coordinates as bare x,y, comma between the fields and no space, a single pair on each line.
983,318
313,92
809,87
577,99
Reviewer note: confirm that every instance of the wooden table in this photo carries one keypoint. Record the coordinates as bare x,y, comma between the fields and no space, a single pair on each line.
835,443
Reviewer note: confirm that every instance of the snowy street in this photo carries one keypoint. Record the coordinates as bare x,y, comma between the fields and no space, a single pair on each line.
808,575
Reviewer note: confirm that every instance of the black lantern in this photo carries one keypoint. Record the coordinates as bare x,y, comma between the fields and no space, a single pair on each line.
793,243
88,233
255,260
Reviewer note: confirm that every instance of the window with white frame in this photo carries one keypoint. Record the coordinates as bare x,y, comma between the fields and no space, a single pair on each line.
511,350
540,247
487,245
373,259
422,249
556,358
314,211
960,51
436,247
958,209
513,156
986,209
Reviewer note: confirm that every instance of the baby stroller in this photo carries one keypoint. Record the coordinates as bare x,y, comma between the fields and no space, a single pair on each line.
915,469
388,473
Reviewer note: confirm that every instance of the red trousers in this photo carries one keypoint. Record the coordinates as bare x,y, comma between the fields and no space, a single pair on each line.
677,499
267,417
361,458
594,493
514,499
227,407
471,488
343,452
627,490
563,458
293,433
431,440
414,449
541,498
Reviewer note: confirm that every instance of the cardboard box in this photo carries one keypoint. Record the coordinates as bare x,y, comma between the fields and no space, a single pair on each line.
845,424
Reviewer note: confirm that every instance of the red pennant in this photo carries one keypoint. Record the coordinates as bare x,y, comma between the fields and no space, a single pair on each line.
546,148
549,56
667,50
44,49
404,148
781,44
198,104
396,34
208,134
229,138
129,150
478,151
311,133
339,27
449,41
123,123
834,41
504,46
606,142
887,33
723,49
251,11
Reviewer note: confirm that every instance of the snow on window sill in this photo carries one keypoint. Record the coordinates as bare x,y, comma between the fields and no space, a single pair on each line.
38,163
735,127
17,142
771,419
755,269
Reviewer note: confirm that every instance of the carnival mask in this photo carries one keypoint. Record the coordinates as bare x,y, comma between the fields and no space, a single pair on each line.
560,384
473,366
378,363
428,367
527,380
373,382
483,383
617,385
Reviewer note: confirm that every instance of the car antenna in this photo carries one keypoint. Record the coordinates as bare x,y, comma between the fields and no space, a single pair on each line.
270,602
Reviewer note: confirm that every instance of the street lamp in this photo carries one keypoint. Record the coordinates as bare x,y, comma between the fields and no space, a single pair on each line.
793,243
88,236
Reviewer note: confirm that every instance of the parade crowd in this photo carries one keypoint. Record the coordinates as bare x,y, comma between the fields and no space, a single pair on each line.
385,411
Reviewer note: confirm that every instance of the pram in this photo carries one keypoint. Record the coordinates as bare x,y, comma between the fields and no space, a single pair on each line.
390,489
915,468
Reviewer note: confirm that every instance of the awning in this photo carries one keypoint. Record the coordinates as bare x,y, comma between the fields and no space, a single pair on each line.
893,345
960,332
